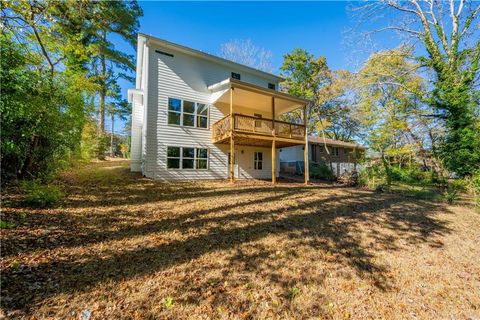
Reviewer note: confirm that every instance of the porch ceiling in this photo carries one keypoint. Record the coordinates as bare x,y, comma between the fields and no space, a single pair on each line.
254,97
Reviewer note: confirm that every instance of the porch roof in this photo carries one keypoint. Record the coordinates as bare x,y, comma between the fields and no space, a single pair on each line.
251,96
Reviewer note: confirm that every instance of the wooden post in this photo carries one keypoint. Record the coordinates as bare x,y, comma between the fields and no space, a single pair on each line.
274,150
273,116
305,151
232,141
274,163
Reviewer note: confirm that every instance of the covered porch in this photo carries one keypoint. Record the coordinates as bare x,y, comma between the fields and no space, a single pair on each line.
256,116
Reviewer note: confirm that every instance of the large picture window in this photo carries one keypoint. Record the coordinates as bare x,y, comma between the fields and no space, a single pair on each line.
187,113
258,161
187,158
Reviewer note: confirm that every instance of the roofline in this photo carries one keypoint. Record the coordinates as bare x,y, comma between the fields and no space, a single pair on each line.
234,83
341,143
209,56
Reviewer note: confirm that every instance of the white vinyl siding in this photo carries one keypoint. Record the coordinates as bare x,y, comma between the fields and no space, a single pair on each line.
186,78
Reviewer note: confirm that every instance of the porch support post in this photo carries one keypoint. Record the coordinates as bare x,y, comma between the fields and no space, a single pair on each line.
305,150
232,141
274,150
274,163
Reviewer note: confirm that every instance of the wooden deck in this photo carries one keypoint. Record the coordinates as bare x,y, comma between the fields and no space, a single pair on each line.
253,131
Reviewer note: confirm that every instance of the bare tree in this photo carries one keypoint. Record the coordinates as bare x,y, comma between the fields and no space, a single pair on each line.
245,52
447,37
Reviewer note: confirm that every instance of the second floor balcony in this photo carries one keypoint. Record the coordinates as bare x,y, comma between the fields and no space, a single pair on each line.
256,127
252,115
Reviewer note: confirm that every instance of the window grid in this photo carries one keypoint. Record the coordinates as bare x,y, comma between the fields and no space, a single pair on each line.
258,160
187,158
187,113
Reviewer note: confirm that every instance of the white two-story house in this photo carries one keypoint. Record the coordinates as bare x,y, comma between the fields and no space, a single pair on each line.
195,114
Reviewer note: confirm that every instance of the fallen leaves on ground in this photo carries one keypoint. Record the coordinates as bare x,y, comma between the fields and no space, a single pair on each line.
122,246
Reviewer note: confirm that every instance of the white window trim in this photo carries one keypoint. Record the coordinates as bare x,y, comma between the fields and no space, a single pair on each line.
194,159
194,114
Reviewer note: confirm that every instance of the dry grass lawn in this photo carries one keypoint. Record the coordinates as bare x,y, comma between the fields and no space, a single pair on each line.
126,247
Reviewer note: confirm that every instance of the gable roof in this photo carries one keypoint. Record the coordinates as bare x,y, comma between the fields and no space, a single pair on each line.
333,142
211,57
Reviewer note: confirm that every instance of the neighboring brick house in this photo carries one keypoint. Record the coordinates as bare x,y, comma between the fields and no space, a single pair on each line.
341,155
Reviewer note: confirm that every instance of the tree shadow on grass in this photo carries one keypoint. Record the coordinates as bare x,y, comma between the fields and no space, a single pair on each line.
329,224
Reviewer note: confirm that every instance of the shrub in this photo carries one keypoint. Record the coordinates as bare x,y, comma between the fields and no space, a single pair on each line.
6,224
472,185
40,195
451,194
321,171
371,176
412,174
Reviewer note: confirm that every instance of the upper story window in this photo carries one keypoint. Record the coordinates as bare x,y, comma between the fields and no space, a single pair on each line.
271,86
187,113
236,75
335,151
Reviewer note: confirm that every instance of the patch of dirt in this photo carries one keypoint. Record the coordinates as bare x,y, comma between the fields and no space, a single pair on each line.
122,246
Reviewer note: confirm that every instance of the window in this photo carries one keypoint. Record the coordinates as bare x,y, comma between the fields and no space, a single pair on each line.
187,113
236,75
173,157
271,86
202,116
187,158
258,161
174,111
258,123
335,151
202,158
314,152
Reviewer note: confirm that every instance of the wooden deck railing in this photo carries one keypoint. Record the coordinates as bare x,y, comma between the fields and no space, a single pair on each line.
248,124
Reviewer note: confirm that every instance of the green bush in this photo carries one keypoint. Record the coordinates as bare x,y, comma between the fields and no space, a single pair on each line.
451,194
40,195
412,174
472,185
371,176
6,224
321,171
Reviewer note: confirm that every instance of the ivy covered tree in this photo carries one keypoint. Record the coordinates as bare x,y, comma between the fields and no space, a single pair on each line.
447,34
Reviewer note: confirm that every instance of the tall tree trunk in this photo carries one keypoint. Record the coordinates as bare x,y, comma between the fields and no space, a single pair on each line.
103,84
111,136
388,173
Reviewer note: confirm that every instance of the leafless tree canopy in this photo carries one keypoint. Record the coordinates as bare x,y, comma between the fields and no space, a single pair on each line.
444,27
245,52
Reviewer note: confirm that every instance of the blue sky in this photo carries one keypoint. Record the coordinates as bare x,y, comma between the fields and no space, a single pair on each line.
323,28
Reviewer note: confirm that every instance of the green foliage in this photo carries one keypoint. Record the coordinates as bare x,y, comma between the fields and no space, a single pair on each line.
293,293
40,195
329,110
51,51
372,176
41,117
451,194
168,302
321,171
6,224
410,174
472,186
